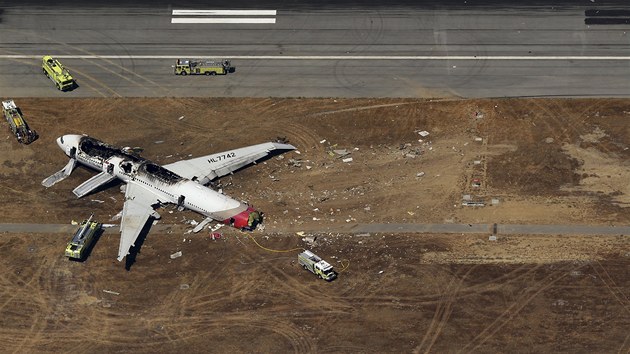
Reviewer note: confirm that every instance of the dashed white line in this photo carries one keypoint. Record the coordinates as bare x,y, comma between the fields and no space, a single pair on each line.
224,12
210,16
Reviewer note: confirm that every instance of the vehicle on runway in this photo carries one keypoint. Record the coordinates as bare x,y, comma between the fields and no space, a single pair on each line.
150,185
17,124
56,72
202,67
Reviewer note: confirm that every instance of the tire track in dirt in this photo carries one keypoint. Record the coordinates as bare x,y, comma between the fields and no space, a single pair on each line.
621,297
37,290
442,313
515,308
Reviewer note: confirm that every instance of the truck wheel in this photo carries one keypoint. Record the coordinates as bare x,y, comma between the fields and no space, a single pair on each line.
45,73
184,73
212,73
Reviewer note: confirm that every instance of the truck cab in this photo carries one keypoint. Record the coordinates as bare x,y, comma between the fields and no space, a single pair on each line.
57,73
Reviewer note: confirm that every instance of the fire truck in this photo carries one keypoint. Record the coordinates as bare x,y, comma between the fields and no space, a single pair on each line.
17,124
314,264
57,73
83,239
202,67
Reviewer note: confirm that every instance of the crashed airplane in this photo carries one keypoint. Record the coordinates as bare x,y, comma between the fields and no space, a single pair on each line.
150,185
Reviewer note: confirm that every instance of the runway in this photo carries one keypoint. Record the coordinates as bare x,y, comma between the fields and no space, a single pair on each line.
304,49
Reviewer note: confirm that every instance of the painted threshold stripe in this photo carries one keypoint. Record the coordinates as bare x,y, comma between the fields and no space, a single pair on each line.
224,12
221,20
319,57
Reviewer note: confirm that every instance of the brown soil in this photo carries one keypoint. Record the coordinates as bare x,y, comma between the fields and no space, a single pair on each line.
547,161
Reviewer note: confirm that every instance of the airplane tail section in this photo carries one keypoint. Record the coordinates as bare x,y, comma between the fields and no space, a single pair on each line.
61,174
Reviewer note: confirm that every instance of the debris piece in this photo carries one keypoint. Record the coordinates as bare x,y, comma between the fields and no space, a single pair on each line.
310,240
176,255
73,222
467,197
216,235
300,233
322,141
366,234
341,152
549,140
381,272
97,201
423,133
111,292
184,287
492,238
180,118
349,159
477,162
158,142
419,174
495,202
478,139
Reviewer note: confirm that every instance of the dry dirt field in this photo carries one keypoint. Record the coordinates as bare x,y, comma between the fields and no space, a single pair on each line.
546,161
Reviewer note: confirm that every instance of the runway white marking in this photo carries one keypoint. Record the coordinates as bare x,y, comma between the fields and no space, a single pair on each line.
224,12
210,16
222,20
319,57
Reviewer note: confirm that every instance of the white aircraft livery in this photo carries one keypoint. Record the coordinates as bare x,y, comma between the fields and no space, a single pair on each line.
149,185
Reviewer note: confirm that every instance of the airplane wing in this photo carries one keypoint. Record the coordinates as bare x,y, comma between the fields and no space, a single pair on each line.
209,167
136,211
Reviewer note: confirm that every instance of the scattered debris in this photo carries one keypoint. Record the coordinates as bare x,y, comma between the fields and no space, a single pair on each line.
310,240
341,152
474,204
176,254
294,163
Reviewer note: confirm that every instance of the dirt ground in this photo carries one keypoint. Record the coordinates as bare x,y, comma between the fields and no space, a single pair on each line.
542,161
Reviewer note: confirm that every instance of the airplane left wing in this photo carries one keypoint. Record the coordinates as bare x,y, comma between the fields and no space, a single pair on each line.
136,211
206,168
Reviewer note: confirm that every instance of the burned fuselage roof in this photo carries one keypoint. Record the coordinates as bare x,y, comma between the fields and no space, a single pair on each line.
97,148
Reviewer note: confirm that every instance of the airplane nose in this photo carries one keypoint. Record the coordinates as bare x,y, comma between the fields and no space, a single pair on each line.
60,142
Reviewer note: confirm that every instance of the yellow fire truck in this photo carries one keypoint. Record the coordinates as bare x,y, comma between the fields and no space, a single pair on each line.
57,73
83,239
17,124
202,67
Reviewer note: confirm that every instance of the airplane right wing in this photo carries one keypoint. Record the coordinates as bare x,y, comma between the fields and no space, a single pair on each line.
209,167
136,211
